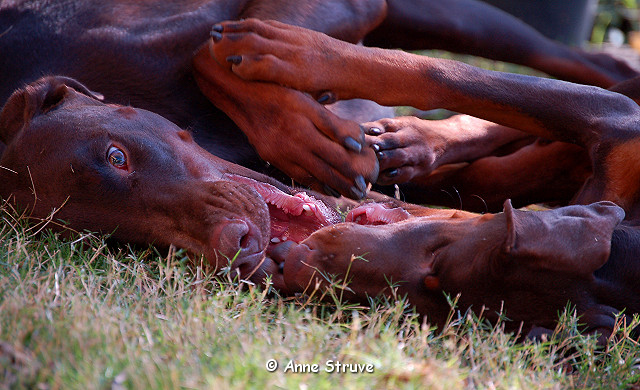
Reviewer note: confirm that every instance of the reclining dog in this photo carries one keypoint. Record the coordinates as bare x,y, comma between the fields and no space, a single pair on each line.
146,180
533,262
132,173
117,169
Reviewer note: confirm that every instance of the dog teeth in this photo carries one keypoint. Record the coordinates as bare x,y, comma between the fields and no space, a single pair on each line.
275,240
308,210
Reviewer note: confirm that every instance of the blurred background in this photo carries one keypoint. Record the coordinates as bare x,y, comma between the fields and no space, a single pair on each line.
609,26
616,22
577,22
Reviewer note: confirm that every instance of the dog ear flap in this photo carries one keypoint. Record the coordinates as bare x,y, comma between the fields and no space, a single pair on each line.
573,239
34,99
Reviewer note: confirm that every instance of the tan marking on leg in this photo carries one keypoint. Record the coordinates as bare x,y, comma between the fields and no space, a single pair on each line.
623,174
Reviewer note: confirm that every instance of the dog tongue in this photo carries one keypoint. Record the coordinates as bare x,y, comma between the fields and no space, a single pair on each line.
293,217
296,217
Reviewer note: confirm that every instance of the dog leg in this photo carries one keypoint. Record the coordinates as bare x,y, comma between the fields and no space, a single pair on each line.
409,148
287,128
477,28
607,124
292,131
539,172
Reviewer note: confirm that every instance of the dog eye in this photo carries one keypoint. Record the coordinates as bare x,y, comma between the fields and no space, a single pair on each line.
117,158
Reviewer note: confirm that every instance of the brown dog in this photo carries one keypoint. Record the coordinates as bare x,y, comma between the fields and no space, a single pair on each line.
93,175
533,262
140,54
134,173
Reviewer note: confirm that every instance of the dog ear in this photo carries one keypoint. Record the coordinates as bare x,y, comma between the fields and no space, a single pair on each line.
34,99
573,239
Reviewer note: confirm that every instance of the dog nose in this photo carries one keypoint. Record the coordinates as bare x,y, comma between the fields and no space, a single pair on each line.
239,242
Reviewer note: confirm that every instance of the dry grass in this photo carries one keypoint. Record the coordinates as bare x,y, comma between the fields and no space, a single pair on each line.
79,314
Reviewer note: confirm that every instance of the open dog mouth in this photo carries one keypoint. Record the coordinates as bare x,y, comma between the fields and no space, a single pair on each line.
295,217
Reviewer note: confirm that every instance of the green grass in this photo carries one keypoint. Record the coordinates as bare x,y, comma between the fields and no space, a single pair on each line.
76,313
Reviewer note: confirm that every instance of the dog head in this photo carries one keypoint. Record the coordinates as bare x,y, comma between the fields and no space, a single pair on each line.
135,175
533,263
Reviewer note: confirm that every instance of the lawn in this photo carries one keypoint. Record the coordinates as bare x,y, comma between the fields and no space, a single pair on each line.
76,313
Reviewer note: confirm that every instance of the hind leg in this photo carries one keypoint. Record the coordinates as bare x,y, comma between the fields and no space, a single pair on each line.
540,172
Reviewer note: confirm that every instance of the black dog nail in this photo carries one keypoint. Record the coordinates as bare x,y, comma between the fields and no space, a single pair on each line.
375,147
352,144
217,28
380,155
216,36
391,173
361,184
330,191
323,98
326,98
234,59
357,194
374,131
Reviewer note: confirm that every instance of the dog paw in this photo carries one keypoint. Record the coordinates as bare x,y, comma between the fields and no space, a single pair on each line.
405,148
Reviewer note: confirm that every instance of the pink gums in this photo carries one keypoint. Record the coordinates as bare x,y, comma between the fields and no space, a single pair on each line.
293,217
376,214
296,217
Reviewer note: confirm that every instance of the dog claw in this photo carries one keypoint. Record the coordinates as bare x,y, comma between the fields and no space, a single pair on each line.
391,173
374,131
217,28
352,144
234,59
326,98
216,36
361,184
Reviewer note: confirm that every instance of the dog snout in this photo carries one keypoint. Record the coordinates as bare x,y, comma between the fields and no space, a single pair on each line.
240,243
